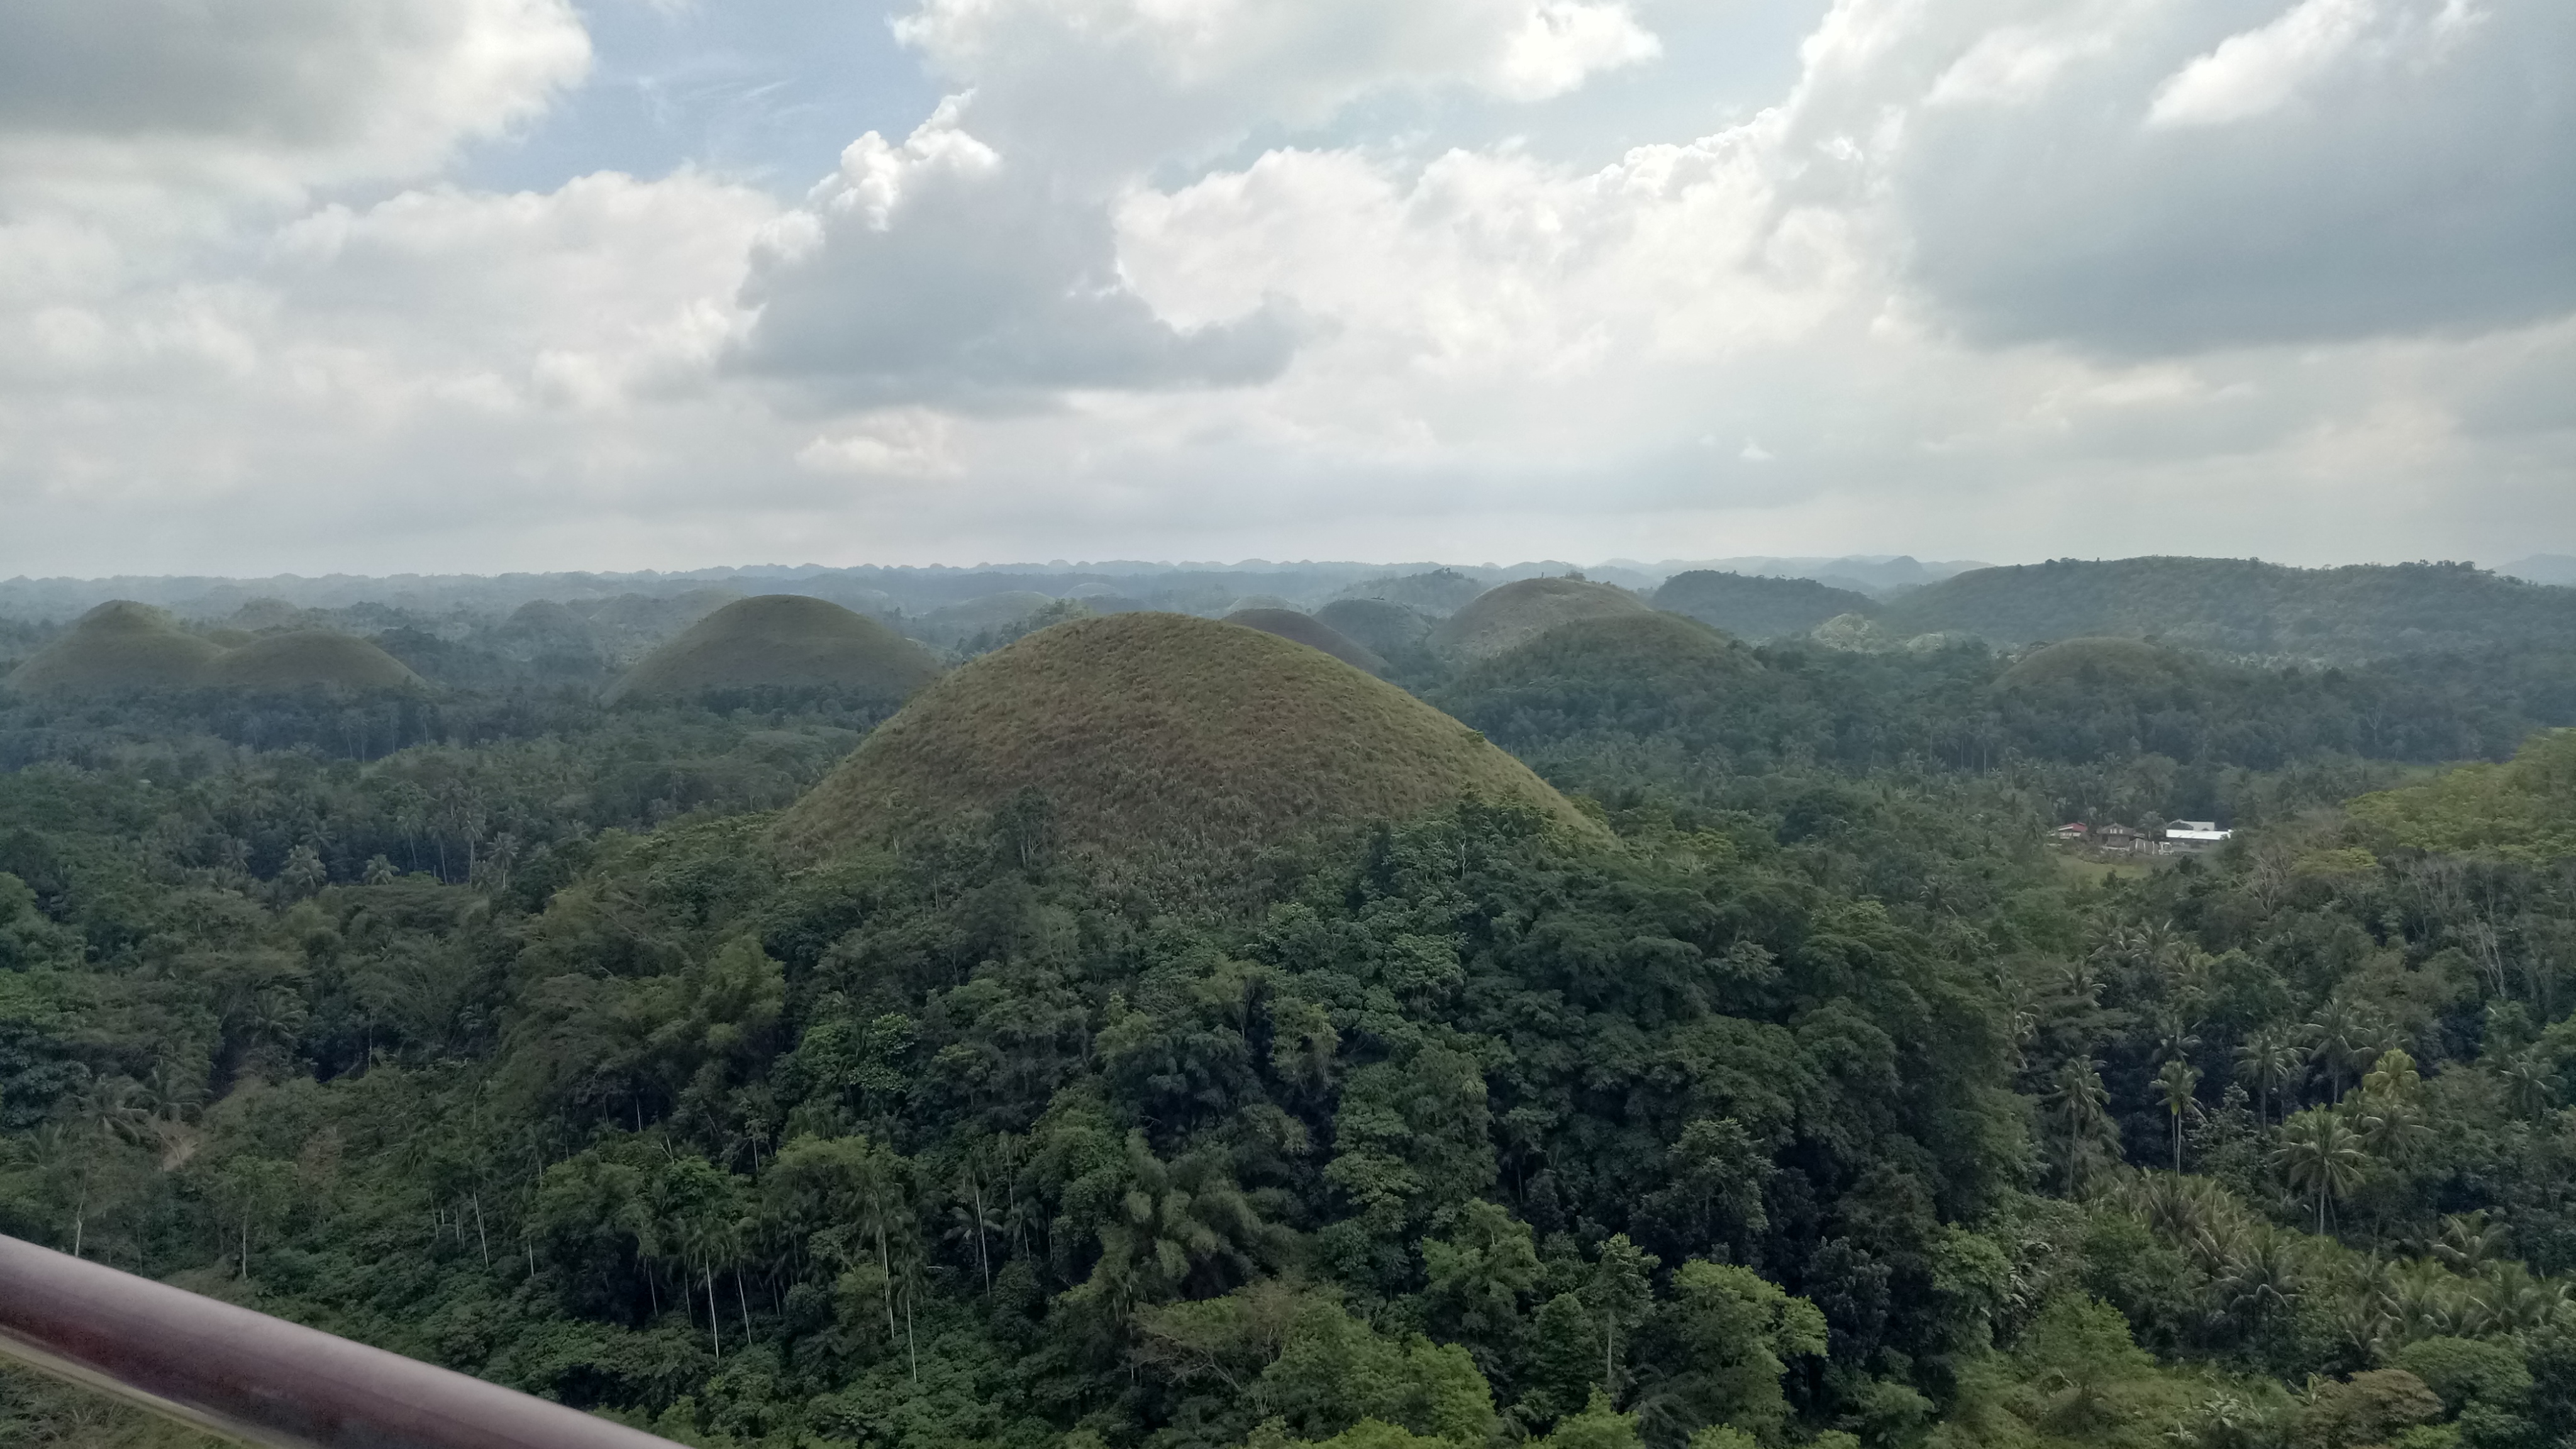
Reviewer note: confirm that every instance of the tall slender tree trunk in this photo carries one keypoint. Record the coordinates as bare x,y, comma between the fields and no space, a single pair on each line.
713,1316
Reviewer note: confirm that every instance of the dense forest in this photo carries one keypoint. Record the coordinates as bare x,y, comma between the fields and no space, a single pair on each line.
1797,1093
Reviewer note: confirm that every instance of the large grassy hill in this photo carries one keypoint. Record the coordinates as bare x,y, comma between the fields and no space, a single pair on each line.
308,658
1155,733
1758,608
1519,612
1311,632
783,641
2244,606
118,646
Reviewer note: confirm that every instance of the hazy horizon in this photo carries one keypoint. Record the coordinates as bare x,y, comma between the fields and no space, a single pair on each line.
480,286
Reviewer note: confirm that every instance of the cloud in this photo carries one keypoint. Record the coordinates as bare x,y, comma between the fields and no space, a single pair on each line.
940,271
1207,277
1128,82
899,443
2143,179
976,264
2259,70
271,92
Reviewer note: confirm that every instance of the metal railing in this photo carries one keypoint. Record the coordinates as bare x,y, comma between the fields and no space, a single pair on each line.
258,1379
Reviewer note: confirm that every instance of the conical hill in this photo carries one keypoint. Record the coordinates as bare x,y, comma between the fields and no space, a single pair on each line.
118,646
1518,612
781,640
1632,673
2097,663
1376,625
305,659
1161,735
1312,632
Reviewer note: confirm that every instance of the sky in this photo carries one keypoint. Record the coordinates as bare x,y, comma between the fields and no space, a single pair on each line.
377,286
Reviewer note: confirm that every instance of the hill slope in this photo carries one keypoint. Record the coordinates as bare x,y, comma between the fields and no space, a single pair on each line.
308,658
119,645
1311,632
1376,625
781,640
1757,608
2244,606
1631,673
1163,733
1518,612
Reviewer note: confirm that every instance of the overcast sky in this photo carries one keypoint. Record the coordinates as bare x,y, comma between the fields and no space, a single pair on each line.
382,285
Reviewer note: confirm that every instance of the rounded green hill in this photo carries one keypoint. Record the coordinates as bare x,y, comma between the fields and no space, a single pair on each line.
1516,613
1387,629
2096,662
305,659
1311,632
1633,672
781,640
1161,735
118,646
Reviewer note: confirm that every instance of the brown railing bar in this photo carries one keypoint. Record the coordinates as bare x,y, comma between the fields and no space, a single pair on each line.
259,1379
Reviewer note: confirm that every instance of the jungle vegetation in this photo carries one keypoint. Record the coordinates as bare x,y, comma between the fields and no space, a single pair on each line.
1784,1089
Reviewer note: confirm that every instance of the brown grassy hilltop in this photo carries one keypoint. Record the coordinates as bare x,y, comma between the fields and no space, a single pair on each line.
1161,734
2094,662
1516,613
1311,632
1619,653
119,645
308,658
1374,624
785,640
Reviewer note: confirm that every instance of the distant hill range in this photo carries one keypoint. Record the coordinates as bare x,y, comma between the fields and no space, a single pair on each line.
2542,568
1875,575
2242,606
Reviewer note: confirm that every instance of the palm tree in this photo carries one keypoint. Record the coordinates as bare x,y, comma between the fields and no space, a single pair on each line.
2342,1035
2468,1242
2530,1085
2177,1082
2321,1154
2079,1104
2270,1062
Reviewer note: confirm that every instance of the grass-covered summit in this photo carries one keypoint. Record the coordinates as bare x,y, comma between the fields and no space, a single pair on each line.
2097,663
1519,612
308,658
1161,734
1311,632
1753,607
1637,673
781,641
118,646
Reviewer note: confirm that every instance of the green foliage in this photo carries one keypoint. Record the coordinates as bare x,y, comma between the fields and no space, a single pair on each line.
2524,810
2243,606
1792,1094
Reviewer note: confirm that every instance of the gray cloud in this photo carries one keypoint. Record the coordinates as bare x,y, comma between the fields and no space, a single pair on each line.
269,91
941,272
2156,180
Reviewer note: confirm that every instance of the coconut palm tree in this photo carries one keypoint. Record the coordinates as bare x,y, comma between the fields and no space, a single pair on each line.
2530,1085
2079,1105
2177,1082
2321,1154
2270,1062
